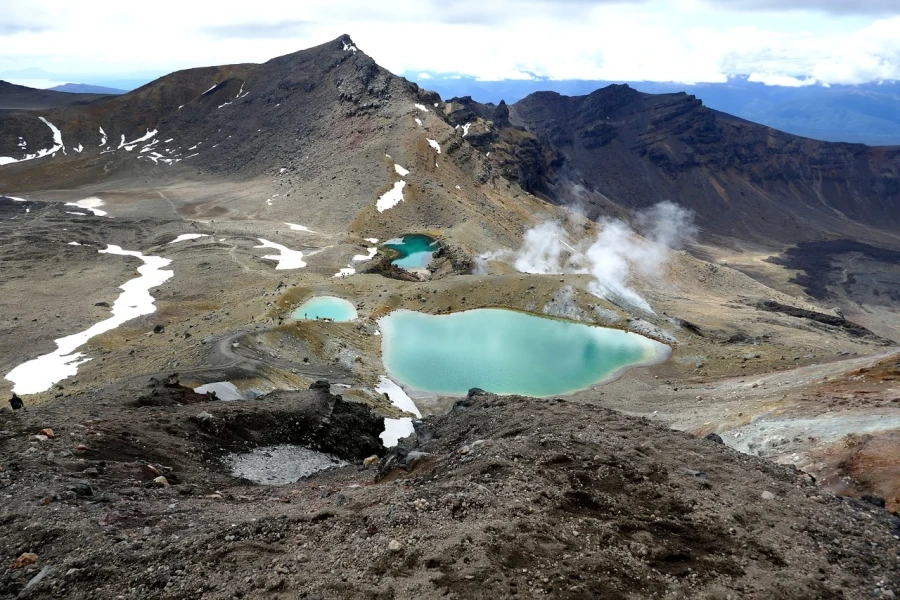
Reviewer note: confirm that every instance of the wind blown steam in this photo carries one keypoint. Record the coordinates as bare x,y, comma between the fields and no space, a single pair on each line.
611,257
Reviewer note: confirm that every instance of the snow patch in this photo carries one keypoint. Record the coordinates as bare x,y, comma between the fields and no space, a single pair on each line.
225,390
422,107
57,146
79,148
40,374
361,257
295,227
396,429
188,236
400,170
92,204
391,198
345,272
129,146
287,259
465,129
434,144
397,396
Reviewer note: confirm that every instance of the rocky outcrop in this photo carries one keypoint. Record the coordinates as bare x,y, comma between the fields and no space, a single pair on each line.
503,494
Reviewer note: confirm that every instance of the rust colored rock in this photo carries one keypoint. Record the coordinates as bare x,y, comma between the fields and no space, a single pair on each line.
25,560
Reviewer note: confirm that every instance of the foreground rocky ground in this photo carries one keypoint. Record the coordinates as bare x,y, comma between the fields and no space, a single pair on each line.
502,497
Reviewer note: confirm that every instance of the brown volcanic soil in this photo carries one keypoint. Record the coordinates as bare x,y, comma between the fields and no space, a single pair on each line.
509,497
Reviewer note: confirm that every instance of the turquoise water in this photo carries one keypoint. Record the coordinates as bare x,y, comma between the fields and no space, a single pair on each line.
416,250
325,307
507,352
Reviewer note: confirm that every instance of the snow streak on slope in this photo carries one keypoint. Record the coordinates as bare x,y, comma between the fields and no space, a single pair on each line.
396,429
188,236
295,227
57,146
129,146
40,374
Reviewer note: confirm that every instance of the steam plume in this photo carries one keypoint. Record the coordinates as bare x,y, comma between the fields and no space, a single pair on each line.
611,257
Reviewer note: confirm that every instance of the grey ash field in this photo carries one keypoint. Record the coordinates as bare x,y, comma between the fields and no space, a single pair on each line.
782,315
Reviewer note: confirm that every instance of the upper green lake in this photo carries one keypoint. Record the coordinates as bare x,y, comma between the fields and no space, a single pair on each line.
416,250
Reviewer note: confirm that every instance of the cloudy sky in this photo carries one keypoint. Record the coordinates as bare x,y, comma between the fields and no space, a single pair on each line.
784,42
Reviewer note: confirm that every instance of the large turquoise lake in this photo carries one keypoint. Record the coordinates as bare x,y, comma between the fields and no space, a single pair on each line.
416,250
507,352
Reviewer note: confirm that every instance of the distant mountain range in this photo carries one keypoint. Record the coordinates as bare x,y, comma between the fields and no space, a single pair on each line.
18,98
867,114
84,88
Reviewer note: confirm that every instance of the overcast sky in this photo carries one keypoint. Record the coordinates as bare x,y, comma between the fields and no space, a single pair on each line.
785,42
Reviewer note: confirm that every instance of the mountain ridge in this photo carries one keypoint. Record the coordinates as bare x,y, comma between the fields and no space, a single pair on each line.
619,149
17,98
86,88
862,113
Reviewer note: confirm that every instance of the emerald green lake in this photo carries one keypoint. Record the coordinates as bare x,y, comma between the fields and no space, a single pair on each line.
416,250
325,307
507,352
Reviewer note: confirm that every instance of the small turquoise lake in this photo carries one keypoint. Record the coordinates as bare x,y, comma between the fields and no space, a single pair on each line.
325,307
507,352
416,250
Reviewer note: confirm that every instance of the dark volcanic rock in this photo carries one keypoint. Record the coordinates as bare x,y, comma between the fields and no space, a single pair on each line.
507,494
833,320
169,392
740,178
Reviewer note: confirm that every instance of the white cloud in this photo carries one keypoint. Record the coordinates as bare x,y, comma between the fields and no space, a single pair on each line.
662,40
871,54
781,80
